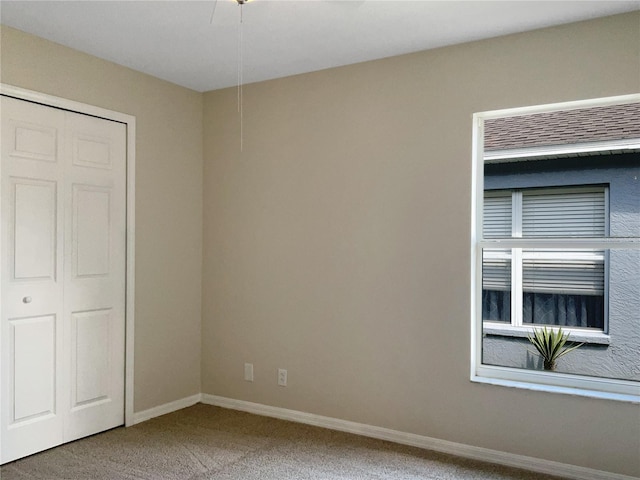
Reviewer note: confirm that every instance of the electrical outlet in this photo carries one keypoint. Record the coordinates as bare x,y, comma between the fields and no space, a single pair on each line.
248,372
282,377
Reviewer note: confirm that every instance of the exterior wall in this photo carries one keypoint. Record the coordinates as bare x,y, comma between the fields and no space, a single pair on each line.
168,200
337,243
620,358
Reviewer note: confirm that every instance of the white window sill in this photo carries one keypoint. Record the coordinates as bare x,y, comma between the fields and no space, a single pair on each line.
575,335
567,384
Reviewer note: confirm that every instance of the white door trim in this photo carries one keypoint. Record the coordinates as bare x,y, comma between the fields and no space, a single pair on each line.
130,122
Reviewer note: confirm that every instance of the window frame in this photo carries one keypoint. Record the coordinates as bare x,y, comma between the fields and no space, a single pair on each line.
555,382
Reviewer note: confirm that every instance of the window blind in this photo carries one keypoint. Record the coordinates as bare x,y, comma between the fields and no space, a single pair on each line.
566,276
573,213
496,265
561,212
497,215
496,274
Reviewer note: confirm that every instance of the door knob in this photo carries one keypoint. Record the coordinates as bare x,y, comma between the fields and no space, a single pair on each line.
26,300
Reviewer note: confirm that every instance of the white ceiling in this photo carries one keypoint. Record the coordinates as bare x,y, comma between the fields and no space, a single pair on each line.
175,41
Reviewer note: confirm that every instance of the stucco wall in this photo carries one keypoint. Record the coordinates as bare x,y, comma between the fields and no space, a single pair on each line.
620,358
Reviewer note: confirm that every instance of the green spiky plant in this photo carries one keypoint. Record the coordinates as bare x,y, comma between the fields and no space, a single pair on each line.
550,345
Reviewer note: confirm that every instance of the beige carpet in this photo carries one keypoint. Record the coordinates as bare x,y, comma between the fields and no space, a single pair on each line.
204,442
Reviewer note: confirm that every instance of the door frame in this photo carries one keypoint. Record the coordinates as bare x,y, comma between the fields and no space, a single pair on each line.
130,123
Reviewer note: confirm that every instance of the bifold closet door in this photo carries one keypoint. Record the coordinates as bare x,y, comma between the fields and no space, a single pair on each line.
63,207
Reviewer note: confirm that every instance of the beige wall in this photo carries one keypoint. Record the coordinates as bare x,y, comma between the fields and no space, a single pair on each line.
336,244
168,200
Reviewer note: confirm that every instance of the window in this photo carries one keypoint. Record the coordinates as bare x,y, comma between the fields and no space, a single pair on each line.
544,286
556,243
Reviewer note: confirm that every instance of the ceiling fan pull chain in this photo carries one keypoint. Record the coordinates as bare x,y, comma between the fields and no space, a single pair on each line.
240,79
213,11
239,56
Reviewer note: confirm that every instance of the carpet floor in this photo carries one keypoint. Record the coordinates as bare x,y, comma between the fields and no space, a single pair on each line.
206,443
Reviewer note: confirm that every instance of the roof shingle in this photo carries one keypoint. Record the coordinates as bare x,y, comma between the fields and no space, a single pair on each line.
595,124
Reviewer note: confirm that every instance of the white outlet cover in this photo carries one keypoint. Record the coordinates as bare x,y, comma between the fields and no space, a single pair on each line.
248,372
282,377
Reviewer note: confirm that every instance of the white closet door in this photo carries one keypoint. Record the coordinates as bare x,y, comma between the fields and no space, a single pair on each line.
33,371
95,242
62,289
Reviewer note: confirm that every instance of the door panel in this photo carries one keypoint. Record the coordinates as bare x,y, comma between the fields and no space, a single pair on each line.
91,230
34,141
32,354
90,360
31,288
95,248
63,242
34,220
92,151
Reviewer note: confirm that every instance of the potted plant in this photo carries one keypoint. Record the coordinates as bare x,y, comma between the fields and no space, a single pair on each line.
550,344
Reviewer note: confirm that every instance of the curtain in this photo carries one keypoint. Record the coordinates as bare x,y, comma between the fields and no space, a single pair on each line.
564,310
496,305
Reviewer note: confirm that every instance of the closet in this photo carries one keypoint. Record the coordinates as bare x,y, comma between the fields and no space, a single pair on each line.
62,292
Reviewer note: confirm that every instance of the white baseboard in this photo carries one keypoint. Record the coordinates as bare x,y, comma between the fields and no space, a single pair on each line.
170,407
443,446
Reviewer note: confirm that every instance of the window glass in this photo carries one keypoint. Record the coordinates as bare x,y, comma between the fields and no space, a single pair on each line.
496,285
610,344
563,288
559,241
